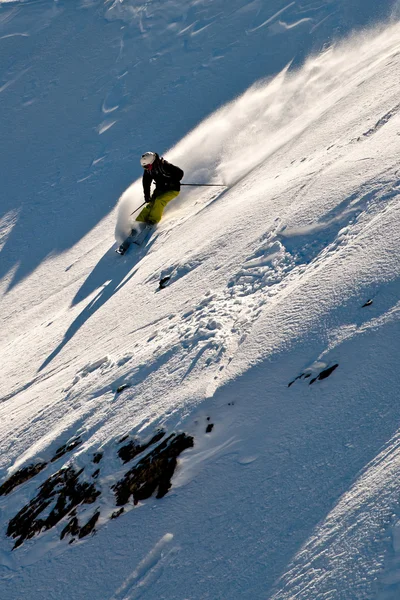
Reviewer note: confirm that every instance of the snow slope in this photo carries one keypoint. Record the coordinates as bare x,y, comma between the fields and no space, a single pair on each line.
275,344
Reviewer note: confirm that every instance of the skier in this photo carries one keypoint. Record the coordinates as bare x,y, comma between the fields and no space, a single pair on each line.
167,178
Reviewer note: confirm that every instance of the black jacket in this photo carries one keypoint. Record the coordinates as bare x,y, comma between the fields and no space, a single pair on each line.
165,175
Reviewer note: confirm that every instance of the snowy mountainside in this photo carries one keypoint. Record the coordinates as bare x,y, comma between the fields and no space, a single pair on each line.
86,86
260,384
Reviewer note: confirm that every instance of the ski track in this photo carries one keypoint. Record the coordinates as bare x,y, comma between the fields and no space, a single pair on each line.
147,571
215,328
211,332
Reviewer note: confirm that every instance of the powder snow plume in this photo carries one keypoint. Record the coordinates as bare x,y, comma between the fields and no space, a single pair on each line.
244,133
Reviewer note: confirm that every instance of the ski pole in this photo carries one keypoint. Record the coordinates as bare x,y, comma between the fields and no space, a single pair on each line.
136,209
206,184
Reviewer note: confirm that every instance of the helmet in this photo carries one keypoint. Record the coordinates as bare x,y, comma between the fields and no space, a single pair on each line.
147,158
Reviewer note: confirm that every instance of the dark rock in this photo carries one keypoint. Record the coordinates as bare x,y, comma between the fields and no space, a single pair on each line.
71,529
325,373
65,490
164,282
66,448
134,448
20,477
153,472
122,387
61,496
368,303
209,427
89,527
295,379
128,452
74,529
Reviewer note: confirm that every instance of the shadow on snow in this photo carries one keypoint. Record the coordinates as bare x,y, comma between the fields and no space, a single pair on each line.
109,276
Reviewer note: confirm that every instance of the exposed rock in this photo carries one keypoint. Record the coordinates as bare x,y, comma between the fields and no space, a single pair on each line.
122,387
154,471
97,457
72,528
89,527
134,448
322,375
65,490
325,373
164,281
296,378
368,303
66,448
20,477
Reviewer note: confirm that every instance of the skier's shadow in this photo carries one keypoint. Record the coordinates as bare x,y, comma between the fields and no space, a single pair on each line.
109,276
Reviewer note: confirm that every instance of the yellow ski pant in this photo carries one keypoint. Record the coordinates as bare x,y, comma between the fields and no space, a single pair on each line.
153,211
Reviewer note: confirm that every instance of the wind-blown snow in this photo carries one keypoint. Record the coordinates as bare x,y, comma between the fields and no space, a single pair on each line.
242,135
291,487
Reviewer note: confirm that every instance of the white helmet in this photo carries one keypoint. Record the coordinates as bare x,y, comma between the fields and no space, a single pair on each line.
147,158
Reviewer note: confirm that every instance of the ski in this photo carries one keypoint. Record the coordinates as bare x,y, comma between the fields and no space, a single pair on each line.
135,237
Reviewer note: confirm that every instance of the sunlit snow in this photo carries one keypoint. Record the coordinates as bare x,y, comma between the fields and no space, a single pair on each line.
275,343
